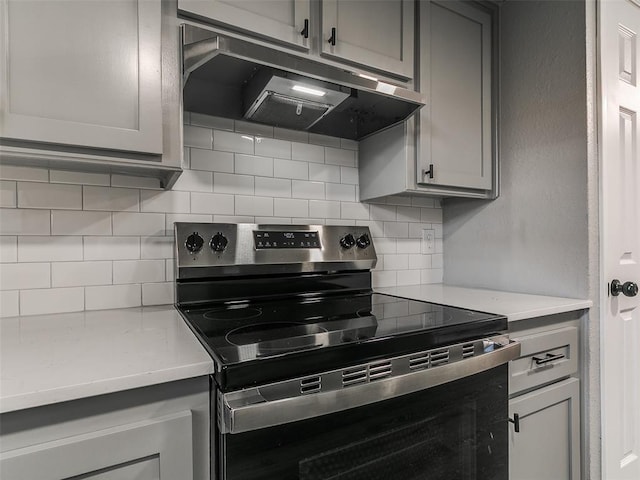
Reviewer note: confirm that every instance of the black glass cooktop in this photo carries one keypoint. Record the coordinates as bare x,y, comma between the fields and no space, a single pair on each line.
258,341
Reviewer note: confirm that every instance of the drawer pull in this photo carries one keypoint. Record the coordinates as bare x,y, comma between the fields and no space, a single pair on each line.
516,422
549,358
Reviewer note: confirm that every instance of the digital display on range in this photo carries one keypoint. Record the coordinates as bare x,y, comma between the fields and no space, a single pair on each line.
291,239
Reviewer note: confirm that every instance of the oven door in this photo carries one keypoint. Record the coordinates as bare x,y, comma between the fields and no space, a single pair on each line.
455,430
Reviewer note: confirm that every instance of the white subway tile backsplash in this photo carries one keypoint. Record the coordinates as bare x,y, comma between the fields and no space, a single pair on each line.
9,303
80,223
8,248
18,276
79,274
286,207
290,169
357,211
49,249
309,190
8,196
197,137
79,178
194,181
138,224
111,248
110,199
49,195
233,184
338,156
254,206
273,187
271,147
212,203
138,271
232,142
324,173
27,174
51,300
306,152
169,201
337,191
112,243
211,160
254,165
156,247
158,293
113,296
324,209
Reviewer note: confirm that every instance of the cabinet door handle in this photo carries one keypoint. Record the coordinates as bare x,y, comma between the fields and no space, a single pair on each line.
305,30
549,358
428,173
332,38
516,422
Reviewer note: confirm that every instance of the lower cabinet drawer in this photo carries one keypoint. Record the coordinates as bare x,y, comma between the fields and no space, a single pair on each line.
545,357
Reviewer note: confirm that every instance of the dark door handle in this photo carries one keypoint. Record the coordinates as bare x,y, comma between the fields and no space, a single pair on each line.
628,289
332,38
548,359
305,30
516,422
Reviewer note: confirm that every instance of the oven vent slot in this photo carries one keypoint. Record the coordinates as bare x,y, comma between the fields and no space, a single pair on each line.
419,361
439,357
379,370
468,350
353,376
310,385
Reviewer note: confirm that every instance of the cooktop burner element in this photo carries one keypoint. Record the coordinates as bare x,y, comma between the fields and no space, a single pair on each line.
277,301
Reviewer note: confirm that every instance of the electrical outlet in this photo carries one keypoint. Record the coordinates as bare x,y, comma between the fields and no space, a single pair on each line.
428,241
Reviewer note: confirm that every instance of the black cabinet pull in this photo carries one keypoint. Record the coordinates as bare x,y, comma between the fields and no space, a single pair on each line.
549,358
305,30
332,38
516,422
428,173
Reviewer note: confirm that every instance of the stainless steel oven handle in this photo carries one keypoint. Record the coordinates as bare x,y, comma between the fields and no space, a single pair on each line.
259,413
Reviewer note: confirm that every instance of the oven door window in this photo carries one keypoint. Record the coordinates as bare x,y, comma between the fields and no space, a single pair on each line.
454,431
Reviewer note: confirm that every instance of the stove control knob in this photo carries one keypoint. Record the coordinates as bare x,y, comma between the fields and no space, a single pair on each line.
218,242
363,241
194,243
347,241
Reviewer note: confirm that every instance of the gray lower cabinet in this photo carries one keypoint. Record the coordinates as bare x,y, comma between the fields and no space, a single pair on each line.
151,433
447,149
547,445
544,405
85,84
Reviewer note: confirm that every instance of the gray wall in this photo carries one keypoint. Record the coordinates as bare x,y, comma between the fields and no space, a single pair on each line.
534,237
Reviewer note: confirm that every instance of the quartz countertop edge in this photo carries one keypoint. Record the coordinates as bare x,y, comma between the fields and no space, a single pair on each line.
515,306
47,359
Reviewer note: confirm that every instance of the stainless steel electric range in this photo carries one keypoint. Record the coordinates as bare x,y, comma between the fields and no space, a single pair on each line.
318,377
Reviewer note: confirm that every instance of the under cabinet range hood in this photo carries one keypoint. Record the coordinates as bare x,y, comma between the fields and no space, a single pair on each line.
233,78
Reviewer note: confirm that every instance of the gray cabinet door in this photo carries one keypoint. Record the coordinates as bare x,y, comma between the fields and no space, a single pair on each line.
548,443
280,20
147,450
85,74
378,34
455,76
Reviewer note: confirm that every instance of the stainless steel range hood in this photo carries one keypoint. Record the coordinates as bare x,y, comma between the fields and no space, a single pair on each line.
233,78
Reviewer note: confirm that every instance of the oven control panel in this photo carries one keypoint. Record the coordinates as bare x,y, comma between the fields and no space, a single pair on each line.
210,249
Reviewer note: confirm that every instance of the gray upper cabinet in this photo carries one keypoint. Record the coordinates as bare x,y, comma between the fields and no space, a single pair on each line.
447,148
280,20
375,33
83,80
455,74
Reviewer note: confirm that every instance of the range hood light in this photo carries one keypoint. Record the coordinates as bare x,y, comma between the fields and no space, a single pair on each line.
310,91
368,77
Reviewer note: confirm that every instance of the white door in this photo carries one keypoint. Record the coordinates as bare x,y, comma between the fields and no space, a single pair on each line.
619,30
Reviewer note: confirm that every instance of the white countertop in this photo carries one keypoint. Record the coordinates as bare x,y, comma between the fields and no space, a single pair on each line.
47,359
515,306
